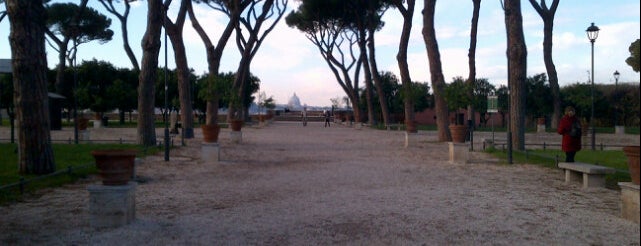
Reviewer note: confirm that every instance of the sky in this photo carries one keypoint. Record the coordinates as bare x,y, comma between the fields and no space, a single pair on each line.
288,63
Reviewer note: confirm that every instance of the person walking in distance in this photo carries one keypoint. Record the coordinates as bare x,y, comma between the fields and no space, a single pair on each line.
570,128
304,116
327,117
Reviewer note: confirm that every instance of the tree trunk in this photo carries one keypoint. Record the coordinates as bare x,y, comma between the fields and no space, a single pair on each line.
29,62
214,54
436,71
123,27
148,73
401,57
60,69
382,98
517,71
471,78
368,77
175,32
547,15
552,75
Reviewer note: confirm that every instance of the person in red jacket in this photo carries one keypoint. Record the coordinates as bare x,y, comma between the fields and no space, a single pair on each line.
570,144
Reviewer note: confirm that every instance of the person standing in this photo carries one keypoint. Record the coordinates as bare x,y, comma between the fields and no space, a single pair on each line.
327,117
304,116
570,128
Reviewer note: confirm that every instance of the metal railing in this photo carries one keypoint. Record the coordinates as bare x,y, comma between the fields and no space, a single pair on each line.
555,158
21,184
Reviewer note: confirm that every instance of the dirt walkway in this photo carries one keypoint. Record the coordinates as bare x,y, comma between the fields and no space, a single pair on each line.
293,185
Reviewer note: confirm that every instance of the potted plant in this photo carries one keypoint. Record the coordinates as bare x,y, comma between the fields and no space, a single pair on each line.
269,104
83,122
457,98
235,105
264,103
83,100
115,166
632,152
212,85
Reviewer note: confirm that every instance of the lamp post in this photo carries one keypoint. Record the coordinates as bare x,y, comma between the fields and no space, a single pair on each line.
616,103
593,33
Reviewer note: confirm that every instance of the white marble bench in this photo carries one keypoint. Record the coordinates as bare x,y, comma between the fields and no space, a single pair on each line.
590,175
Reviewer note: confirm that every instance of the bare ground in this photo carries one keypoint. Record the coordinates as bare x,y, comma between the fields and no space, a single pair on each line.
293,185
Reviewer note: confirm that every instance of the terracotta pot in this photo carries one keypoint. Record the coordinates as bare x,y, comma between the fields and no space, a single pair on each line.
115,166
411,127
236,125
210,133
458,133
82,124
632,152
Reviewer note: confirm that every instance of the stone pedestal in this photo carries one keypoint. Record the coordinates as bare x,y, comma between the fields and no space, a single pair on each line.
112,206
236,137
411,139
540,128
97,124
459,152
629,201
84,135
137,162
619,129
210,153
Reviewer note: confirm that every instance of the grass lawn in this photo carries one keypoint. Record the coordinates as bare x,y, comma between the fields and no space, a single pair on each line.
66,155
610,158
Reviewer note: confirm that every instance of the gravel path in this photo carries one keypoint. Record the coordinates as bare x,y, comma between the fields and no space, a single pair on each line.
293,185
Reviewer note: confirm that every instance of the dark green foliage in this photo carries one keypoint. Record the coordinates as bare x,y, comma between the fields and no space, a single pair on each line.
482,89
394,92
94,77
579,96
223,84
539,96
92,24
634,58
456,94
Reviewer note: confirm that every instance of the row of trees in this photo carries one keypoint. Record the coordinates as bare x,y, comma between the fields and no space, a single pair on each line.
249,20
343,31
101,87
612,103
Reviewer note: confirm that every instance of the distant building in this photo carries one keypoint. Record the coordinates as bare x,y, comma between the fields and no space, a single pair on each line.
294,103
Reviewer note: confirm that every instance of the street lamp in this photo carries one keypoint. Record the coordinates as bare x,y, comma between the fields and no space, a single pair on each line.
616,103
593,33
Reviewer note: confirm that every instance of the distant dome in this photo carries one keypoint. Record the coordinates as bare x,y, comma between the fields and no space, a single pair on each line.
294,103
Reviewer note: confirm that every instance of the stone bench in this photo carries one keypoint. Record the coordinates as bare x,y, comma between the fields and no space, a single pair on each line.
590,175
397,126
